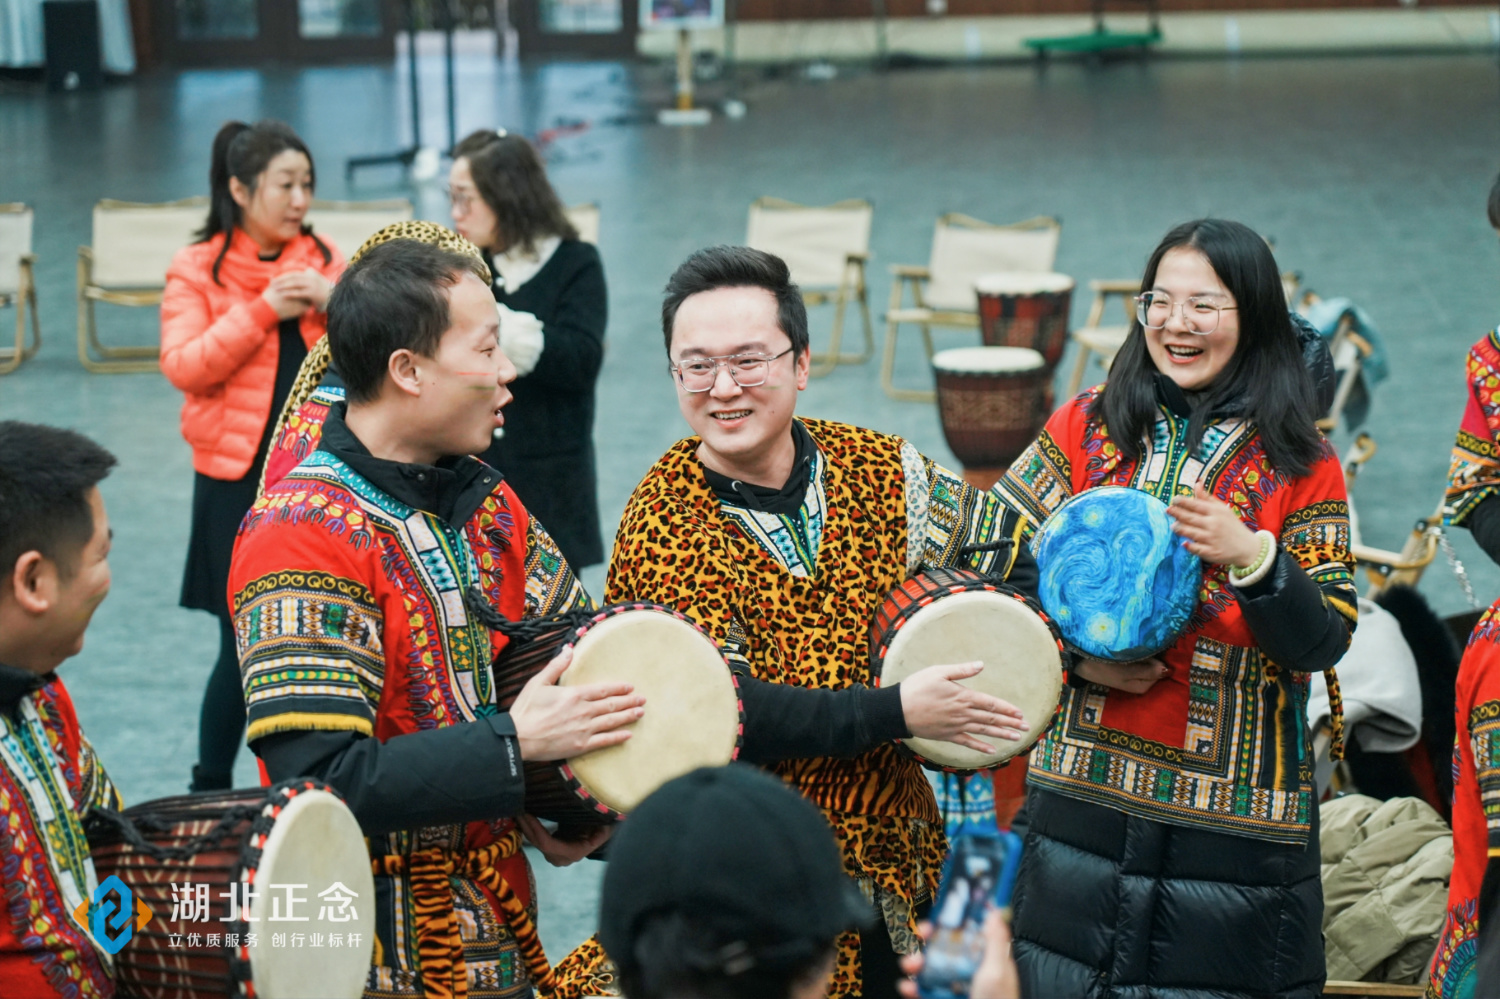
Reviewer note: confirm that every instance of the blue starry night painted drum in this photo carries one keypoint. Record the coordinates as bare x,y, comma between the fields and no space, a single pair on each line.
1115,579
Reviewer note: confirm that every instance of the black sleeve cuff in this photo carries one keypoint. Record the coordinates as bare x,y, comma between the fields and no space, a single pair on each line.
884,715
1483,523
462,773
1292,623
1024,574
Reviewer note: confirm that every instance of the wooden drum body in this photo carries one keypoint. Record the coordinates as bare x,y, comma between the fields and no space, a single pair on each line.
949,616
298,833
693,714
990,400
1019,309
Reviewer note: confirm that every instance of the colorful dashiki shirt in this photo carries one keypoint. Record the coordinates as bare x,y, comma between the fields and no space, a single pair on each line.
966,803
303,430
1474,472
793,598
1476,807
49,779
1220,743
350,616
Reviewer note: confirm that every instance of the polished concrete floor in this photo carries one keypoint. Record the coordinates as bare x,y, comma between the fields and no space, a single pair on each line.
1369,173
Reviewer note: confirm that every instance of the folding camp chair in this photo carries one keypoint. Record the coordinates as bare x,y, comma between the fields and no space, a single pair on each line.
349,223
826,248
18,282
942,292
126,264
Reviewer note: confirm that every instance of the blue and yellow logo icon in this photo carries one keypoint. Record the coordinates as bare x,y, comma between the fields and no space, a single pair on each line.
108,914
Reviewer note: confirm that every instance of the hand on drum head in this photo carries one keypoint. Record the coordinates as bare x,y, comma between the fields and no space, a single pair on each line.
558,723
1132,678
938,707
562,852
1214,532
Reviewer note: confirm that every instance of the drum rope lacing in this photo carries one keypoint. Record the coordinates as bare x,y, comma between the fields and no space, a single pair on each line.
130,829
527,629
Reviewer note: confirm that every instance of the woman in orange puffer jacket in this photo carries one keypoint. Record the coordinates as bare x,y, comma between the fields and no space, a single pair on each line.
241,307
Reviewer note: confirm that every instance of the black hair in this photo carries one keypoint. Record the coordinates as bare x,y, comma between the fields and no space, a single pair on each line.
679,957
45,477
1494,205
1266,379
511,179
243,152
392,298
737,267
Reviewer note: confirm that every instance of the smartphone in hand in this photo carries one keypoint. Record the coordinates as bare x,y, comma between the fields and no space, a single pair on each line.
979,875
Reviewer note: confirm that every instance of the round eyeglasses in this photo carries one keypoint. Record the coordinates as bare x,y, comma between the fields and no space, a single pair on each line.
698,374
1200,313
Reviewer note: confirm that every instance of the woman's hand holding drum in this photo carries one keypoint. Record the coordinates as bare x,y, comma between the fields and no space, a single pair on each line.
558,723
1214,532
562,852
938,707
1132,678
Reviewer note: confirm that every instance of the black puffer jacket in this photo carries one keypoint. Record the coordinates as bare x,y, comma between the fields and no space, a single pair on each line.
1108,906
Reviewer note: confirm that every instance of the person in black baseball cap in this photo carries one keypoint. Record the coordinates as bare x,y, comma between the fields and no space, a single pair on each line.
726,884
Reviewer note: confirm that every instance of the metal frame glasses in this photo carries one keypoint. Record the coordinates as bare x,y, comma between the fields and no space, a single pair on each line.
1200,313
700,374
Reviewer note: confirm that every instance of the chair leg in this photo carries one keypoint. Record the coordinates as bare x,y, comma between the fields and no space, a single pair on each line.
888,361
11,357
864,313
823,364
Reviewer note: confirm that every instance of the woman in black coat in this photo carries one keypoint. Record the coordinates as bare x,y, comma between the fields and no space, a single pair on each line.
553,310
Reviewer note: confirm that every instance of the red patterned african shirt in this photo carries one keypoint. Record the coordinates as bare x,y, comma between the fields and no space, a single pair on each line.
1476,806
49,779
1474,472
1221,742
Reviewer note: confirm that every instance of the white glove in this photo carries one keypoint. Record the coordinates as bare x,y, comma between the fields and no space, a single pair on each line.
521,338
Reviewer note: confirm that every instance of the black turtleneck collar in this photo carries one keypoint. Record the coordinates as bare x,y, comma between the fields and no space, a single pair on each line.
16,684
785,499
452,489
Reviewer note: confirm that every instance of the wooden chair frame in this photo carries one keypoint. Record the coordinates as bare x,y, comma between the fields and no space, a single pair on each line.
23,298
94,355
852,286
1093,339
915,277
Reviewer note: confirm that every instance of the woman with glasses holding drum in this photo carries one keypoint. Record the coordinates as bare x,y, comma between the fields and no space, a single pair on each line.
1193,547
553,308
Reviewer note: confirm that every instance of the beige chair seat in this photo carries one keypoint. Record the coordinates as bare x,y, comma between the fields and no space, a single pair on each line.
126,264
18,282
349,223
825,248
585,219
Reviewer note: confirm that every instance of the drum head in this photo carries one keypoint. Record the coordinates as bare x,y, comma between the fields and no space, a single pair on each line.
692,714
316,845
1022,283
1022,665
1115,579
988,360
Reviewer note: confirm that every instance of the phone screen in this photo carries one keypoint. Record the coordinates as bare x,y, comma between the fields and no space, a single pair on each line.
980,872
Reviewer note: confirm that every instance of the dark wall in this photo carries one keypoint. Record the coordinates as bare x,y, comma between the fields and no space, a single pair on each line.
802,10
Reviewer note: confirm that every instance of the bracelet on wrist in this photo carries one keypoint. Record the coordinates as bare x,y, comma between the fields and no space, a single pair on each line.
1255,572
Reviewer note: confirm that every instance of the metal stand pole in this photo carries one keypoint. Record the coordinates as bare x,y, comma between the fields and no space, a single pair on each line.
403,157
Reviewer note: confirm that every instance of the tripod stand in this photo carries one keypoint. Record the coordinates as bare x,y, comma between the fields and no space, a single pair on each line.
406,157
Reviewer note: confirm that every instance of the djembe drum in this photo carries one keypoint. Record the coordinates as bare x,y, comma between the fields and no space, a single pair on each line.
693,713
1018,309
232,850
1117,580
946,616
990,400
